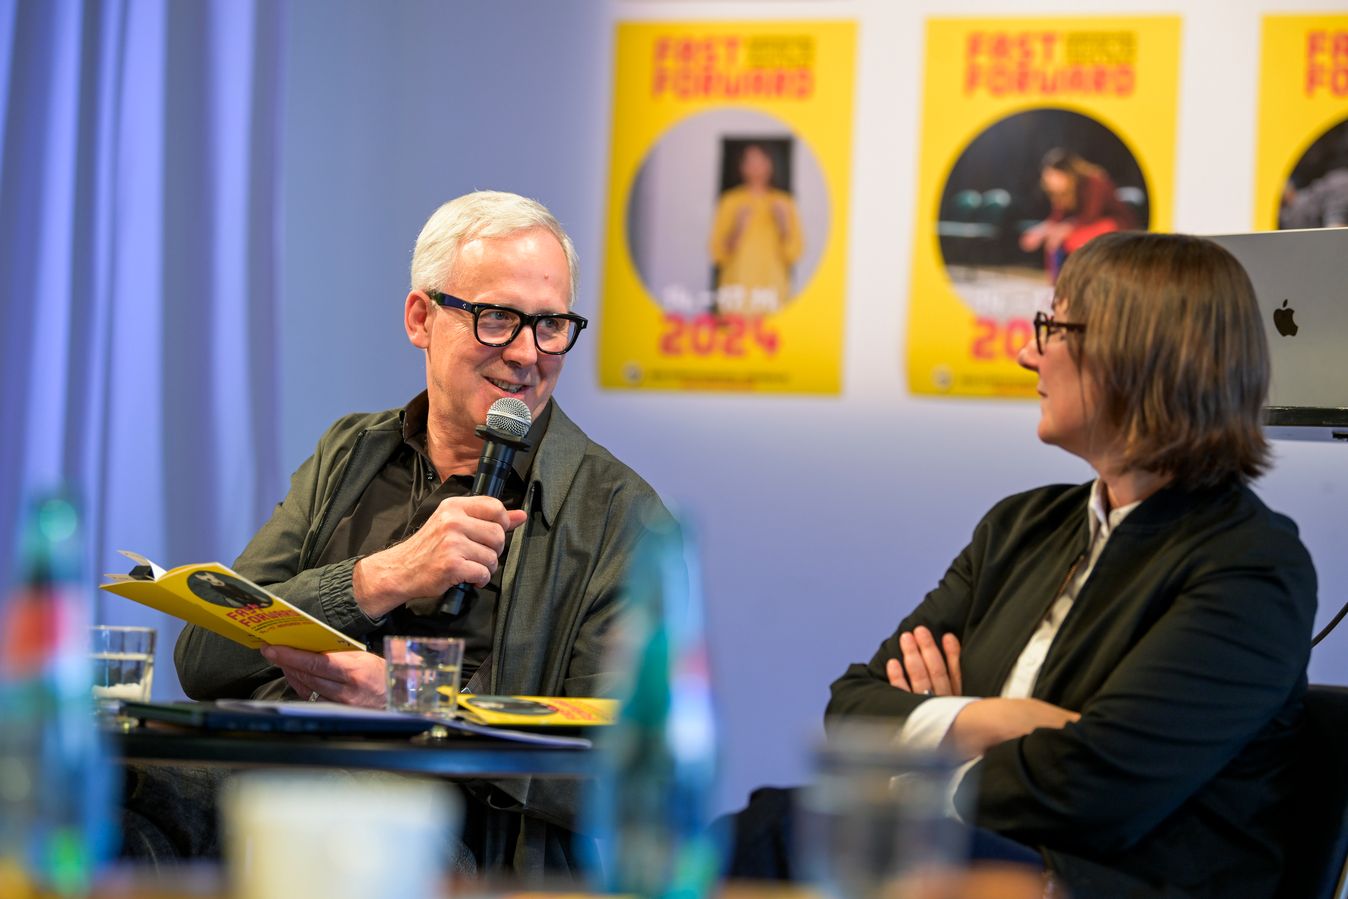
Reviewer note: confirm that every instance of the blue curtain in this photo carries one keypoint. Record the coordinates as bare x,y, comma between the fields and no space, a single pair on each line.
139,223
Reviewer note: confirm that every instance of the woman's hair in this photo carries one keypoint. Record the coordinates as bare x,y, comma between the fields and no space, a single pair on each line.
1176,350
1066,161
485,213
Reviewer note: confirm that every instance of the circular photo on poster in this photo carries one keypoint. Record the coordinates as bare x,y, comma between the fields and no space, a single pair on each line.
227,591
1028,191
728,214
1316,193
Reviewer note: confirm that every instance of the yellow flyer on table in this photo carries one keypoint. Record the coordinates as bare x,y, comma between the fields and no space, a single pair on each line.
727,211
538,711
1301,174
1037,135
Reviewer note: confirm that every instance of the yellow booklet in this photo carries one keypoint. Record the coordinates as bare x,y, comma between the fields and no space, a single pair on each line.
537,711
213,597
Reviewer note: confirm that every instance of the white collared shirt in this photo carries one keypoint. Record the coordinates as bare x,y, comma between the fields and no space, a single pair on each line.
926,728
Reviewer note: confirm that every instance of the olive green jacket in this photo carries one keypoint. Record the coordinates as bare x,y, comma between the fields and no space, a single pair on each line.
561,591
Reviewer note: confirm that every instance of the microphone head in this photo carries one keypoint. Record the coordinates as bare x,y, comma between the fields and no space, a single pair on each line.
510,415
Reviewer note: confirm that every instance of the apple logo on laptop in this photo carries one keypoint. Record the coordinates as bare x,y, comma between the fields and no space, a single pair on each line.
1284,322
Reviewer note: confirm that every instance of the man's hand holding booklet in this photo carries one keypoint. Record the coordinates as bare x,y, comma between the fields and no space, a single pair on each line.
218,599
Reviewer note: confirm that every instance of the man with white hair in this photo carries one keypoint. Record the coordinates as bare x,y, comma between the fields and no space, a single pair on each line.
378,523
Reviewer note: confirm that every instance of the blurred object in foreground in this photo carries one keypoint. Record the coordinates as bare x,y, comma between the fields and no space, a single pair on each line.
55,782
875,822
339,835
653,804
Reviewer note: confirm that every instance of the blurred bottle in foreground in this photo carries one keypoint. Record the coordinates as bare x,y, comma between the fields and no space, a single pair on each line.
652,806
54,777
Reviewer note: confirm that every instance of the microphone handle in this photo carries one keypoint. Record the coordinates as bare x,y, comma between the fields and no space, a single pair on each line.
489,481
492,470
452,602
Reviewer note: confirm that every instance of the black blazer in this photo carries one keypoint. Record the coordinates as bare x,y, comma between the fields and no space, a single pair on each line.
1185,653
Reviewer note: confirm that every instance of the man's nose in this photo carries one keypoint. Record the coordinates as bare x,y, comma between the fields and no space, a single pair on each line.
523,350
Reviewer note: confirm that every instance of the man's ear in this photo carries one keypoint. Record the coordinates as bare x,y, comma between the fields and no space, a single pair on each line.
417,319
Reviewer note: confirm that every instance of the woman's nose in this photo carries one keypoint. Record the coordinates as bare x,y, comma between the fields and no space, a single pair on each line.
1028,357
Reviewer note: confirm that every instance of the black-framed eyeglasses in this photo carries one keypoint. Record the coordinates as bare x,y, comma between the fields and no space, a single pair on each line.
1045,326
554,332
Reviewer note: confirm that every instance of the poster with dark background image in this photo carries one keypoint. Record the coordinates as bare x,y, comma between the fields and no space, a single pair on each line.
1301,155
1006,189
1316,195
1038,134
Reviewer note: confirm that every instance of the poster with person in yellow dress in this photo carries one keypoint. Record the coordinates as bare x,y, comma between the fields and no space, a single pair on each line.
727,207
1301,165
755,238
1037,135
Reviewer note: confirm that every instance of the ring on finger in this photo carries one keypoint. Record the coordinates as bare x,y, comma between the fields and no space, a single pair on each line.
929,692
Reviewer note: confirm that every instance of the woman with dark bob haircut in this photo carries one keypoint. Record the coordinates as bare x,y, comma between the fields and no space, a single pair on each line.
1123,662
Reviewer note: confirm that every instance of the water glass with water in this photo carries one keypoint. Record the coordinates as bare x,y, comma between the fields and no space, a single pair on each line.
877,822
123,665
423,674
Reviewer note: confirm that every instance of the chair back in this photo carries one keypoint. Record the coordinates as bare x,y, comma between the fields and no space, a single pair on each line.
1318,842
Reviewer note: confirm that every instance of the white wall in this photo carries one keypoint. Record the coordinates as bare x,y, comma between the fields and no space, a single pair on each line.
393,108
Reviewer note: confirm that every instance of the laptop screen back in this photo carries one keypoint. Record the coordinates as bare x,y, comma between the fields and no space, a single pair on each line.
1301,281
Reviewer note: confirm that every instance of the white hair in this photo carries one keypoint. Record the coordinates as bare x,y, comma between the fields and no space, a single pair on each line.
483,213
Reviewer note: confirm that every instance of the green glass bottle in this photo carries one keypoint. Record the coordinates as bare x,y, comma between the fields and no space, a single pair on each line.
652,805
55,778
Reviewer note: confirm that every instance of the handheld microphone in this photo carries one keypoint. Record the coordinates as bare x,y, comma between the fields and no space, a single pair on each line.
508,421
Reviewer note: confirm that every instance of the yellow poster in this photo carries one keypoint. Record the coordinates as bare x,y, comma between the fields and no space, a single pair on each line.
1301,174
1037,135
727,207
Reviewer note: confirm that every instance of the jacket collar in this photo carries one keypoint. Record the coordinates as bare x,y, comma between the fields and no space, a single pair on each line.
412,426
1166,506
556,457
556,461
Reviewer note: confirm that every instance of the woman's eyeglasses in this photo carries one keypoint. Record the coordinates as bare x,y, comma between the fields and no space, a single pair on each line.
1045,326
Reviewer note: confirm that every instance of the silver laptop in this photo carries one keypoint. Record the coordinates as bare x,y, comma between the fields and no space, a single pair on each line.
1301,281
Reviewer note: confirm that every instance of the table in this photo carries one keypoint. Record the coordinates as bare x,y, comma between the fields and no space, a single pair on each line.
454,756
204,882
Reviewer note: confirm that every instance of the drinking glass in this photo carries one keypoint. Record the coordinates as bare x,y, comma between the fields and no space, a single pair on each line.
123,665
877,822
423,674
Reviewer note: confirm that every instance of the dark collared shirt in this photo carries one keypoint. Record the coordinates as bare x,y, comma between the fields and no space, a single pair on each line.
399,500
